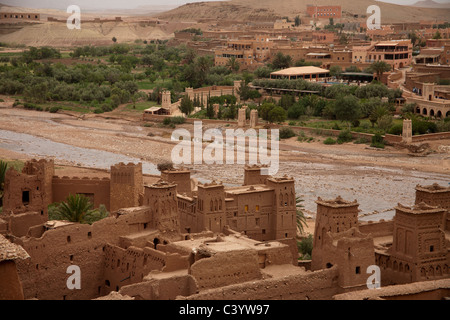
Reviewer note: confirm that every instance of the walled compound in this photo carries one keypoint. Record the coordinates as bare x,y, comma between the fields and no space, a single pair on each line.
177,240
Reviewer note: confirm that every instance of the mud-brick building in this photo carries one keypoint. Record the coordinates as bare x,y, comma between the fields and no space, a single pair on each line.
418,251
264,211
20,16
28,194
338,242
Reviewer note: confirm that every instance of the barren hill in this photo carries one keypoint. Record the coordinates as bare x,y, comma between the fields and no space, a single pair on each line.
431,4
268,10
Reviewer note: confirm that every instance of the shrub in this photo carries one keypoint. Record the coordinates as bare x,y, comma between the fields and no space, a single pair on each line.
305,246
329,141
178,120
396,129
361,141
54,109
165,166
344,136
286,133
377,141
336,126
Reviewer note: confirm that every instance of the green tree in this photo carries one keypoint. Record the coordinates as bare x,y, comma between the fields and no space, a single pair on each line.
282,61
77,208
305,247
380,67
233,64
186,105
437,35
335,71
300,216
297,21
377,113
277,114
347,108
114,39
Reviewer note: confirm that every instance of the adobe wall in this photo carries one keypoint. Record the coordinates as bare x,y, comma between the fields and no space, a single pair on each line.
33,184
162,289
353,256
433,290
377,229
319,285
126,185
81,245
257,221
226,268
95,188
19,224
20,16
182,178
10,286
129,266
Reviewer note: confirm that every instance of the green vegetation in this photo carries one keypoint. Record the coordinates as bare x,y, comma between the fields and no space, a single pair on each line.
77,208
100,78
286,133
305,247
329,141
377,141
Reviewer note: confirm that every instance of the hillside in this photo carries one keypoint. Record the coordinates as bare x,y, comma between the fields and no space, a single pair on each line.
431,4
267,10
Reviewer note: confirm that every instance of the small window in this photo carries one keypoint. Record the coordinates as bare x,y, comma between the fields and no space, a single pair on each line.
25,198
246,208
431,248
358,270
68,239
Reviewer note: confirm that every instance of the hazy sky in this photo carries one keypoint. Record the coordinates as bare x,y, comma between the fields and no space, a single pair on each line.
129,4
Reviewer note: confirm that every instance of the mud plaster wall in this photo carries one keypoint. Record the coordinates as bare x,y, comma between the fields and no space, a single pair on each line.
10,287
353,257
16,185
377,229
20,224
95,189
130,266
319,285
162,289
217,271
44,275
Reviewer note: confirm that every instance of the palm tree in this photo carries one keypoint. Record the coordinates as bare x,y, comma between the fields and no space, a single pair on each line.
233,64
78,208
379,67
301,219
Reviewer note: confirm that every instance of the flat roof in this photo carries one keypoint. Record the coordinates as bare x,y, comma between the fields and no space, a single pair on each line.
248,189
153,109
295,71
387,44
318,54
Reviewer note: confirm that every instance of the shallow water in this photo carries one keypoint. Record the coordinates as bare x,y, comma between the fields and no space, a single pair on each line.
44,148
